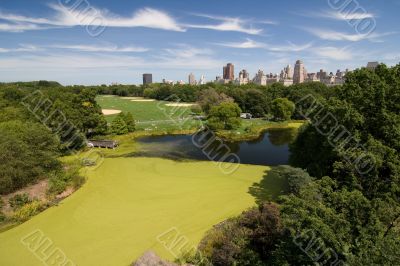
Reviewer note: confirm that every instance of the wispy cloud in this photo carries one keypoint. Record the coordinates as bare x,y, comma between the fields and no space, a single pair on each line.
64,17
331,35
100,48
250,44
344,15
227,24
21,48
333,53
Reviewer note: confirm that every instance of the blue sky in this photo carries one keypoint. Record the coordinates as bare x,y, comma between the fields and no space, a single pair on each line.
117,41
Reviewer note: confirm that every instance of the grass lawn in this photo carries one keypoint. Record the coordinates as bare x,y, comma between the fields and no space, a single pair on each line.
149,115
128,202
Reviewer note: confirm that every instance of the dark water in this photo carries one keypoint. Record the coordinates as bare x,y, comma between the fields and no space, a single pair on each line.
271,148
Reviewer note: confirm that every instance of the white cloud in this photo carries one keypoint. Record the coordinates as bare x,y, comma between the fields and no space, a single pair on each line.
64,17
250,44
100,48
333,53
22,48
331,35
227,24
345,15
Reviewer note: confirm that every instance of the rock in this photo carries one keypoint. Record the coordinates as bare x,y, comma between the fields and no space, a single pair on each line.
149,258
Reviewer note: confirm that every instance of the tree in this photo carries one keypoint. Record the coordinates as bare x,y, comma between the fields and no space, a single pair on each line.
224,116
129,120
282,109
118,126
210,97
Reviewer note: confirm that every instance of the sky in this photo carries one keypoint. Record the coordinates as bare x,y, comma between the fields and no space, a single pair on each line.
93,42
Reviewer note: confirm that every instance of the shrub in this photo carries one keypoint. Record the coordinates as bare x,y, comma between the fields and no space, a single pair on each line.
59,181
27,211
19,200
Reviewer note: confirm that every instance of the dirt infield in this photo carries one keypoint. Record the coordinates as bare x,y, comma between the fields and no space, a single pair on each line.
110,111
180,104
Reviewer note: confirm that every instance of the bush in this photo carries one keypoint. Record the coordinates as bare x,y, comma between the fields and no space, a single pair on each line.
27,211
19,200
59,181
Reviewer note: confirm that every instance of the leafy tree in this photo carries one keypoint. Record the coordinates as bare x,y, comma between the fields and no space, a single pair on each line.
118,125
224,116
282,109
209,98
129,120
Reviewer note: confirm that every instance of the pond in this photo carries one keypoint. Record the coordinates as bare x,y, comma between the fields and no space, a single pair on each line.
271,148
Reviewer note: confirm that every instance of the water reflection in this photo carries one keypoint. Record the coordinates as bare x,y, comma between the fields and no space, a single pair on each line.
271,148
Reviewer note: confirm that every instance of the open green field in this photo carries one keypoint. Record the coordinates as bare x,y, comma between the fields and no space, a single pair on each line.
149,115
128,202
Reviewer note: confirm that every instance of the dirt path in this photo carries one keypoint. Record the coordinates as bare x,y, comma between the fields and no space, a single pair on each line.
36,191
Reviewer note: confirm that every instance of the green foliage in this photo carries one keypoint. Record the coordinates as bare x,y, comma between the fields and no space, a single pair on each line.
68,177
118,126
209,98
19,200
282,109
224,116
296,178
27,152
129,121
246,240
27,211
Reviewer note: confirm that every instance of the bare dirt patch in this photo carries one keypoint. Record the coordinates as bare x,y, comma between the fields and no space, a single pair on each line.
36,191
180,104
110,111
143,100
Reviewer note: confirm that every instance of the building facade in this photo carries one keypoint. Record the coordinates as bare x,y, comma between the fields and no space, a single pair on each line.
300,73
147,78
229,72
192,79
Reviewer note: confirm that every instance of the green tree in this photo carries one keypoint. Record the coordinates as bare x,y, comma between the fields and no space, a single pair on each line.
282,109
224,116
118,126
129,120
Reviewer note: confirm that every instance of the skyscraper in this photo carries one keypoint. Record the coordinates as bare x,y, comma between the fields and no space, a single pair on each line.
192,79
299,72
147,78
229,72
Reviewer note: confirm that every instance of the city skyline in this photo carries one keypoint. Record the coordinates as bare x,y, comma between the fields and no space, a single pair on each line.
45,40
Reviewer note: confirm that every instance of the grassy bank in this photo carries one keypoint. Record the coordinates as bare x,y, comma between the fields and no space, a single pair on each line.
128,202
253,128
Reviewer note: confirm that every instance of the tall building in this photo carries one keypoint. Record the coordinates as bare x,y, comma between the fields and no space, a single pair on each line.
299,72
243,78
260,78
229,72
202,80
147,78
372,65
192,79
